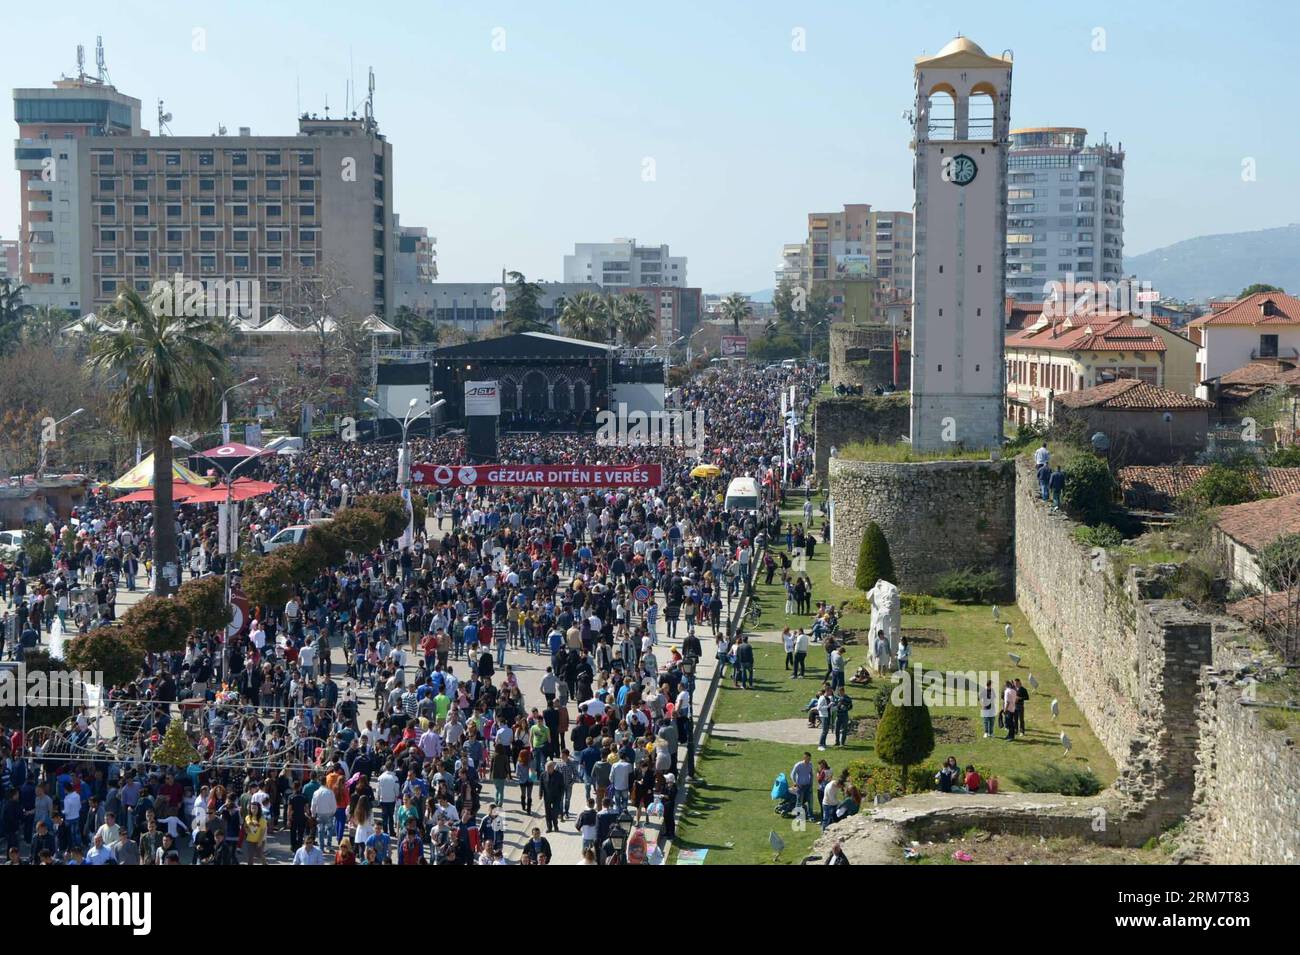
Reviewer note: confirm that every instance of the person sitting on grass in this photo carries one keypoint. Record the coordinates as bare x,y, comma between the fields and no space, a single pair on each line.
861,677
973,780
949,776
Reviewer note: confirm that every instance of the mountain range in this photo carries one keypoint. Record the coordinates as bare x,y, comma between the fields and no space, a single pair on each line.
1213,266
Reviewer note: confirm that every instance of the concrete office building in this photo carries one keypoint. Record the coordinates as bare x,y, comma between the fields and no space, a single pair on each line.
1065,210
308,217
623,264
417,254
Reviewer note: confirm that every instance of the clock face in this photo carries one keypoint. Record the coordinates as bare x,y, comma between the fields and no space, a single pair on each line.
962,170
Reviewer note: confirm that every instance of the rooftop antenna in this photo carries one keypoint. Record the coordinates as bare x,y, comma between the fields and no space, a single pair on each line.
100,65
327,105
81,63
163,119
370,101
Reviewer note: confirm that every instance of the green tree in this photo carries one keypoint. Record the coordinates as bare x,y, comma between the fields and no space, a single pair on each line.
633,318
12,313
159,624
268,581
905,734
36,545
204,599
585,316
524,306
1260,287
736,309
44,326
874,561
1222,485
789,302
1279,562
168,375
112,651
416,328
1089,488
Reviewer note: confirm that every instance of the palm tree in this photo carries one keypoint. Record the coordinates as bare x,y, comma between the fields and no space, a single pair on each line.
12,312
735,308
635,318
585,316
168,373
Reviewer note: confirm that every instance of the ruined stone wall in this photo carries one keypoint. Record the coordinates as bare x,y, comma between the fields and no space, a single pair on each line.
925,509
1247,801
838,422
1155,679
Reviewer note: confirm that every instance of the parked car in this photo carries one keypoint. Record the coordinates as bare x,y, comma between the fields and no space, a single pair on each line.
11,544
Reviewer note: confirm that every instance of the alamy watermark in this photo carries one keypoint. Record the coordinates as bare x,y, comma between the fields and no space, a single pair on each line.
192,298
1062,299
943,689
22,687
660,429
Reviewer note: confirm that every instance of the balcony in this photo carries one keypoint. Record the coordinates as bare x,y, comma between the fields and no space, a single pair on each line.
35,206
1266,354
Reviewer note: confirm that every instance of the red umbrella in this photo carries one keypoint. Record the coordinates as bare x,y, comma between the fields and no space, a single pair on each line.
180,492
232,451
241,490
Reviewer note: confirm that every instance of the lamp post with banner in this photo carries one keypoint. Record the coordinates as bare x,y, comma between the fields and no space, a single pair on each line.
227,530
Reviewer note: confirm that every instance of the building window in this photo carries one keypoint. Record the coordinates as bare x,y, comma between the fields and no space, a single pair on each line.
175,235
1267,346
140,211
207,158
273,211
207,211
108,211
107,185
207,185
173,185
140,185
142,261
174,210
306,185
107,286
172,159
140,235
273,235
108,235
139,159
273,185
239,159
274,263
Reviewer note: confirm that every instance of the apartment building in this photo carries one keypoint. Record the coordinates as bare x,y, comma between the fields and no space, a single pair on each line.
308,216
622,264
1065,210
417,254
1260,327
10,264
1064,355
52,125
862,256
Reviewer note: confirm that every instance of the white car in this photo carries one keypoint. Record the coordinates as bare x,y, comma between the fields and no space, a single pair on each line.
294,534
11,543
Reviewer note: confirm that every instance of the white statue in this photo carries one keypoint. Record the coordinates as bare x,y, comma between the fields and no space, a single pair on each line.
886,609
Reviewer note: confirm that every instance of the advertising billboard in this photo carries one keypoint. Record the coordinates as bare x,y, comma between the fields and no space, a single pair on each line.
735,346
482,398
853,265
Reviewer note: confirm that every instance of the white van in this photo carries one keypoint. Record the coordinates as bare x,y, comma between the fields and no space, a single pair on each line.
742,495
294,534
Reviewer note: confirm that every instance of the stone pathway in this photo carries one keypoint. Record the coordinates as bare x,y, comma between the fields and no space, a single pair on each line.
794,731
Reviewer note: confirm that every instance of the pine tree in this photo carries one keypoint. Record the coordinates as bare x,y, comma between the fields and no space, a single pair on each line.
874,562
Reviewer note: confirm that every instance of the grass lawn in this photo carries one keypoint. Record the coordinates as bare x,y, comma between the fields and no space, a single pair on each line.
731,812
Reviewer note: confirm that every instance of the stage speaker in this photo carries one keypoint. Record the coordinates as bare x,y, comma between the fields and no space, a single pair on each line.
481,439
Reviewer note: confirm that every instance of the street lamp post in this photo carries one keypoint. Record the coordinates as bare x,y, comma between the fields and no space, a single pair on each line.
230,541
225,420
404,455
45,445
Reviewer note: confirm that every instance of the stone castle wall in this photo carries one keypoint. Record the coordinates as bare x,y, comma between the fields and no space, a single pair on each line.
1154,678
924,509
838,422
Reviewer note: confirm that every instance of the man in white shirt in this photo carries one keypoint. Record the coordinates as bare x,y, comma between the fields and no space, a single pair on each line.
323,806
388,788
308,854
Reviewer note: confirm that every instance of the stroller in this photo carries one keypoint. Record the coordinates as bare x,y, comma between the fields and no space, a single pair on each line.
785,800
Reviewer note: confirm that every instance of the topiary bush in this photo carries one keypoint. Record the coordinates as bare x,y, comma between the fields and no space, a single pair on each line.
113,651
40,558
905,736
874,562
204,598
159,624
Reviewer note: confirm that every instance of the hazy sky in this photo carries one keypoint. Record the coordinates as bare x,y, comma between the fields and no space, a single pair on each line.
511,155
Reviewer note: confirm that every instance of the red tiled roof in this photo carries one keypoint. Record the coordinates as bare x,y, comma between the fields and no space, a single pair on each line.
1268,372
1262,308
1257,524
1093,333
1158,485
1129,394
1273,608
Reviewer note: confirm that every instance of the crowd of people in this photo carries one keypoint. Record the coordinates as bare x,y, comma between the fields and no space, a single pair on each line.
377,716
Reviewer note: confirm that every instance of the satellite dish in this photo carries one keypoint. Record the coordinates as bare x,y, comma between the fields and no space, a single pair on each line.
1100,442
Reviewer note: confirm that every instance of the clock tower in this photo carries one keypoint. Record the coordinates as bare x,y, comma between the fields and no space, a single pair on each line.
962,115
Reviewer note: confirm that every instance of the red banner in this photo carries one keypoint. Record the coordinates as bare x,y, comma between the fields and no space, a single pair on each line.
538,475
